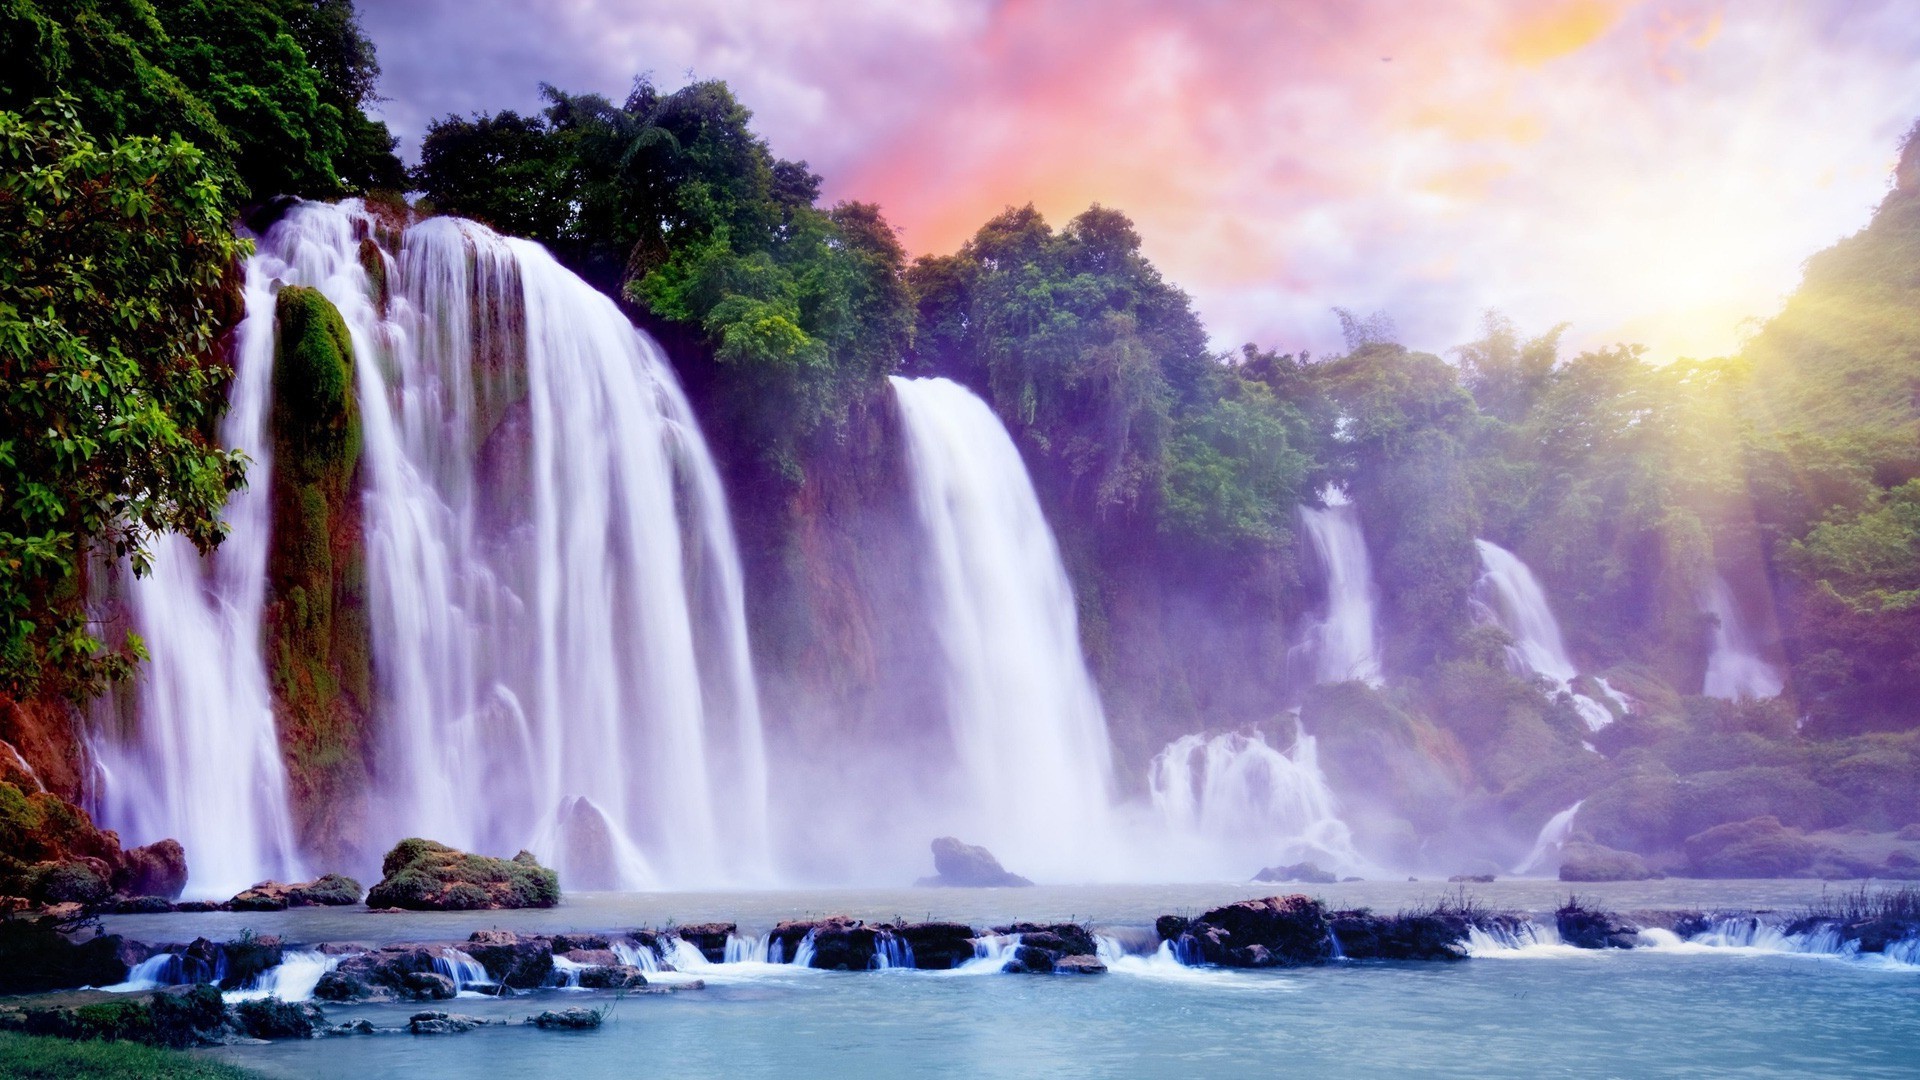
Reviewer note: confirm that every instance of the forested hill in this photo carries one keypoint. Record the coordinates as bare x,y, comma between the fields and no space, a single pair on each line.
1174,477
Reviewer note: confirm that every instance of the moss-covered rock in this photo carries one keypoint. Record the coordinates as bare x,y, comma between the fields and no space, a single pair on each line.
41,954
178,1018
317,631
1757,848
427,876
1580,861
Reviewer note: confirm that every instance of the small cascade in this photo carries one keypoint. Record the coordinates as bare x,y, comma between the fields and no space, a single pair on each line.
199,760
803,952
1509,593
566,973
1546,847
1029,733
991,954
162,969
1343,644
1239,803
463,970
1498,939
1735,668
637,956
757,949
292,979
891,951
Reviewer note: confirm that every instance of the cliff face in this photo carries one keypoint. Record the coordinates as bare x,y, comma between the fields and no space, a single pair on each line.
317,636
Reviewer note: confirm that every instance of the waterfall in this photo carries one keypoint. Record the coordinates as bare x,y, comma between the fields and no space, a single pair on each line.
1512,596
200,762
1342,645
1553,836
556,608
1028,730
1735,668
1232,801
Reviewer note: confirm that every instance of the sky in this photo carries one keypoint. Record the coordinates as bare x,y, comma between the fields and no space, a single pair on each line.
1648,171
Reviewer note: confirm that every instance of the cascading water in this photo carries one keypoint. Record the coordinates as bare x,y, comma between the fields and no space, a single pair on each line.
1553,836
200,761
1512,596
1232,801
559,636
1735,668
1343,644
1028,729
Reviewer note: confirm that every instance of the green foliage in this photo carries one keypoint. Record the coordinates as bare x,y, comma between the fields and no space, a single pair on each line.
169,1018
671,202
109,302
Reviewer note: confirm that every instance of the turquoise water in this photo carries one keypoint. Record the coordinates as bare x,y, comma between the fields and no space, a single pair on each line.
1686,1011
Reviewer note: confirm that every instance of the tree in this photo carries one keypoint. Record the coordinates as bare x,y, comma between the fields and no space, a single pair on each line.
111,301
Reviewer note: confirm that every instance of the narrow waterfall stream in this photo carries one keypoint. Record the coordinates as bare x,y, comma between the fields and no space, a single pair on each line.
1735,668
1029,733
1343,644
558,627
1512,596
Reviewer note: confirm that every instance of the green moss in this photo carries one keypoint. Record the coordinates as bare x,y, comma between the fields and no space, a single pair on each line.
424,875
317,631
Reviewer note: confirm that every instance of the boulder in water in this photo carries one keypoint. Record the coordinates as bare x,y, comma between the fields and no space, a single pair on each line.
962,865
521,963
422,875
158,869
1589,928
1079,965
441,1023
1279,931
938,946
1304,873
576,1018
613,977
1582,861
1058,939
709,938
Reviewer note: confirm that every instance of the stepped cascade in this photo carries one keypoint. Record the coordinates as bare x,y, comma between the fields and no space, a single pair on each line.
558,633
1511,596
201,762
1029,734
1233,801
1735,668
1343,644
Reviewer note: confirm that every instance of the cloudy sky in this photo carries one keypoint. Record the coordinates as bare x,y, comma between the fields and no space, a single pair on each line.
1652,171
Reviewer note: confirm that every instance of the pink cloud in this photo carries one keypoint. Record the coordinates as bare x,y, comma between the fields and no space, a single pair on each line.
1655,170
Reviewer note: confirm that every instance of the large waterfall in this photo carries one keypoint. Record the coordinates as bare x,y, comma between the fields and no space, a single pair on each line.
1513,598
1735,668
201,763
559,640
1029,734
1342,645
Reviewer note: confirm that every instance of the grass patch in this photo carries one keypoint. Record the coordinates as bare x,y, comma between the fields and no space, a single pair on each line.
30,1057
1867,904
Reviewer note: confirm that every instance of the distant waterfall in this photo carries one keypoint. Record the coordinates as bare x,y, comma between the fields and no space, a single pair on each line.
1342,645
1236,803
1028,729
1735,668
1546,847
559,638
1510,593
201,764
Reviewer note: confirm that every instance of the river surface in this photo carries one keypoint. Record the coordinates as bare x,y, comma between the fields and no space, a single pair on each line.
1679,1010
